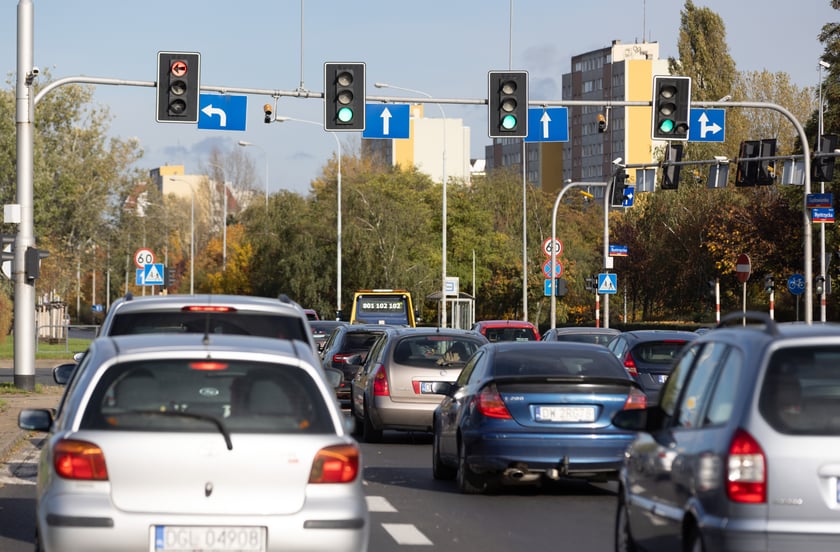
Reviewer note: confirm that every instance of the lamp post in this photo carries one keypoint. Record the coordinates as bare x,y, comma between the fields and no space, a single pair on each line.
443,208
245,144
278,119
822,65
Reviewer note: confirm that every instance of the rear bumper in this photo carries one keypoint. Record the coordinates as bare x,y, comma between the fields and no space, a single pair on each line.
406,416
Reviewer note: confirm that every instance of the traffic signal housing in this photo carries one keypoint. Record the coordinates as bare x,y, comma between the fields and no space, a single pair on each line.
823,167
766,167
769,283
507,93
619,184
590,283
671,107
602,123
178,83
747,172
344,96
671,173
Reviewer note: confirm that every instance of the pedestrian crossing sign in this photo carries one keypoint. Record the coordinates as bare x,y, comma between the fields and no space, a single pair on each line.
153,274
607,283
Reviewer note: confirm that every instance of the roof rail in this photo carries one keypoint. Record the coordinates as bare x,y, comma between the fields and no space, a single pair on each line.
758,318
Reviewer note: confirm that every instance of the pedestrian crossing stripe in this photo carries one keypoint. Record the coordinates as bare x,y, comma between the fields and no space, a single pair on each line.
607,283
153,275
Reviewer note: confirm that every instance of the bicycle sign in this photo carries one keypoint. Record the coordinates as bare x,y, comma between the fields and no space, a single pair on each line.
796,284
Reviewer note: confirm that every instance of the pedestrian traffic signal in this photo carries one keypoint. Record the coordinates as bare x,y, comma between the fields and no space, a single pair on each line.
344,96
671,173
769,284
823,166
747,173
507,93
178,87
590,283
671,107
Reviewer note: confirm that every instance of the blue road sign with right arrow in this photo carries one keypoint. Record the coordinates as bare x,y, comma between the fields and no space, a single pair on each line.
707,125
548,124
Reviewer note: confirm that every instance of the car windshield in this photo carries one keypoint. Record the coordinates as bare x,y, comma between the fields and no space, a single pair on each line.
800,394
232,322
198,395
548,361
510,334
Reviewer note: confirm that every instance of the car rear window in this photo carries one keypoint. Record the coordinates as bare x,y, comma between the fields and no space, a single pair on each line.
235,322
598,339
195,395
547,361
434,351
658,352
510,334
800,394
357,342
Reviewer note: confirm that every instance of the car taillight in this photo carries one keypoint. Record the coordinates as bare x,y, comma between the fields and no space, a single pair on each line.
490,403
630,365
635,400
336,464
79,460
746,477
340,358
380,383
207,308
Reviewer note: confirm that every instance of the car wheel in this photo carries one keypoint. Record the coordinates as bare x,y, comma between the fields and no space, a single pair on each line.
468,481
439,469
623,539
369,433
694,540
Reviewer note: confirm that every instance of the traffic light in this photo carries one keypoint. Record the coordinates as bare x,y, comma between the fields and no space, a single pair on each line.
178,87
671,107
747,172
560,287
766,167
344,96
769,284
602,122
619,179
507,93
671,173
32,262
822,169
169,277
590,283
819,285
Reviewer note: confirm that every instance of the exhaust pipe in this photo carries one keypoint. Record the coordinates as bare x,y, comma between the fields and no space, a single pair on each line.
514,473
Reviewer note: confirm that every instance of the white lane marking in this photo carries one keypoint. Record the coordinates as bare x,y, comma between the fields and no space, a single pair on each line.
379,504
406,534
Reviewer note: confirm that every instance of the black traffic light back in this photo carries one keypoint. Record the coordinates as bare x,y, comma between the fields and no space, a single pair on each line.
671,173
178,83
823,167
747,172
671,107
619,183
767,167
344,96
507,93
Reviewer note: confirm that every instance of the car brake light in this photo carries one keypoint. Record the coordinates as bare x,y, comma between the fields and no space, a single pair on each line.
489,403
79,460
336,464
380,383
340,358
208,365
630,365
746,478
635,400
207,308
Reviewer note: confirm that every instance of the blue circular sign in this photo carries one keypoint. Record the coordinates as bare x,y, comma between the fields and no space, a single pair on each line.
796,284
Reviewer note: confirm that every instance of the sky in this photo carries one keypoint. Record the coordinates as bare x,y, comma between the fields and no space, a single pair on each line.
441,47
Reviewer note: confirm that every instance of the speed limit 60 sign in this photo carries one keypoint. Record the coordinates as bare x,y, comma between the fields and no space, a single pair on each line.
550,245
143,257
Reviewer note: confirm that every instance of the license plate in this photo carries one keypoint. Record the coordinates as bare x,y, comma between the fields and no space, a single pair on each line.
209,539
565,414
662,378
426,387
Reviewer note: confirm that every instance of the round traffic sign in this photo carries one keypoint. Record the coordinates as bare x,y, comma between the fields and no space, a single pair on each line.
742,268
143,256
558,269
796,284
549,245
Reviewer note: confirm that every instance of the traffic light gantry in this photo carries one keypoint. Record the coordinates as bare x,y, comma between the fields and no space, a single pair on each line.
178,83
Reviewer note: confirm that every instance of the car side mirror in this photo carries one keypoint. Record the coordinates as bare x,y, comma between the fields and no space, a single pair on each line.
443,388
334,377
63,372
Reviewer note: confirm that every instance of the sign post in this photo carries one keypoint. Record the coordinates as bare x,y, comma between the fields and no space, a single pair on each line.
742,271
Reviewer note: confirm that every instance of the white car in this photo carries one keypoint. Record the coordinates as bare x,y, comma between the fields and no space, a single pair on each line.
198,442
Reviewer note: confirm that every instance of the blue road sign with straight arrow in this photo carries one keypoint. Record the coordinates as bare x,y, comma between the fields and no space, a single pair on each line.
388,121
549,124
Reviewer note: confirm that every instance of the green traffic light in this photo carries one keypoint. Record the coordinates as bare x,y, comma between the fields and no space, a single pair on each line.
345,115
509,122
666,126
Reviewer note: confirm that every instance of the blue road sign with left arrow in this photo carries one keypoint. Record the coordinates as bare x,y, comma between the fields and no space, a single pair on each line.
222,112
548,124
707,125
386,121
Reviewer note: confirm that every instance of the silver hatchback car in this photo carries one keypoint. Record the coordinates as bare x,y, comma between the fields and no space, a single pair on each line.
743,450
198,442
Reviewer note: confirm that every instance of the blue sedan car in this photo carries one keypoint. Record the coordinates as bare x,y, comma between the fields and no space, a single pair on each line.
523,412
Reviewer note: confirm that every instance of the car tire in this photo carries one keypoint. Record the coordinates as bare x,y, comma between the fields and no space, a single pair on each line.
440,470
623,538
369,433
694,540
468,481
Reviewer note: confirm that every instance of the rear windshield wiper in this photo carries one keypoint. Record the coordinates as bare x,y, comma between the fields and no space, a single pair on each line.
180,414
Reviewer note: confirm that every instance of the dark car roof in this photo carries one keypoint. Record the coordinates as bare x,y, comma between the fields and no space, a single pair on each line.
503,324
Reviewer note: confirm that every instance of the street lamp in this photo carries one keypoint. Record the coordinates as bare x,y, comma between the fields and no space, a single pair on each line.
443,216
245,144
278,119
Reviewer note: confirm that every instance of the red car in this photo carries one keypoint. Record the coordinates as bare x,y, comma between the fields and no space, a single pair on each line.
507,330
